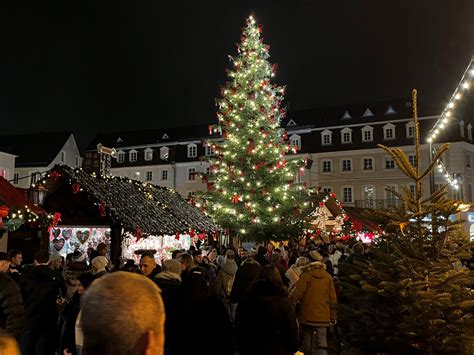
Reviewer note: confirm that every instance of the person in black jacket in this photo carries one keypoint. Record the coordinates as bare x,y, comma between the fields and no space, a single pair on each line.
41,289
265,319
11,307
244,277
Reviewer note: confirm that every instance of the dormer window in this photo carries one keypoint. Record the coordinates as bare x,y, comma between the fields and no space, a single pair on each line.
133,155
346,116
148,154
390,111
192,150
346,135
367,134
368,113
164,153
326,137
121,157
389,131
210,150
410,128
291,123
295,141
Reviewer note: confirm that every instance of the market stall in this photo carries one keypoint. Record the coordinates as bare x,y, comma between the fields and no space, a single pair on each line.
128,215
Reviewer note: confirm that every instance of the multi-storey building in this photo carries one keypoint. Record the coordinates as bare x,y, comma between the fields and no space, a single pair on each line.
341,141
37,153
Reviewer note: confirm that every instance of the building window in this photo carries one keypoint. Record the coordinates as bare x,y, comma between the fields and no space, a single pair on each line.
412,160
133,155
326,189
346,165
164,153
121,157
368,164
148,154
164,175
410,128
346,135
209,150
327,166
389,163
295,141
78,161
412,189
468,160
469,132
326,137
63,156
369,196
149,176
191,174
367,134
35,177
347,194
192,151
390,198
389,131
16,178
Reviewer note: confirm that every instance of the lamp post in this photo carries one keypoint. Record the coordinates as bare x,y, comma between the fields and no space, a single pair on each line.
37,194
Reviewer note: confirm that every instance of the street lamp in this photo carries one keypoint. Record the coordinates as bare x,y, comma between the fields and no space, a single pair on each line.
37,194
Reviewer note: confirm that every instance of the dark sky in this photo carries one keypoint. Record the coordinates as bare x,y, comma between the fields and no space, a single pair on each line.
94,65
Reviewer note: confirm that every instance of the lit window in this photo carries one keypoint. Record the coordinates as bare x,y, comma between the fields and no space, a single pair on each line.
346,165
192,151
191,173
149,176
164,175
133,155
368,164
347,194
327,166
295,141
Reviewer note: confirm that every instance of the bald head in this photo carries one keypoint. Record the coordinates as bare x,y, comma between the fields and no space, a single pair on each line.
122,314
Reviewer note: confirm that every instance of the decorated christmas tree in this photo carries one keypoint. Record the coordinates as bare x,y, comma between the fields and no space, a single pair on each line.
250,186
412,295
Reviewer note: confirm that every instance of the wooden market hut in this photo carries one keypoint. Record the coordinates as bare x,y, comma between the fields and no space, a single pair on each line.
122,204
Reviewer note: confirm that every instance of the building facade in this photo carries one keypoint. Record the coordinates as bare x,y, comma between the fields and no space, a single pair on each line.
342,143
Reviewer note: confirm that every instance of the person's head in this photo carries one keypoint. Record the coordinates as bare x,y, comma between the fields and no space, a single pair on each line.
56,261
41,257
90,250
176,254
270,247
197,285
244,255
4,262
83,282
99,263
302,261
102,249
313,256
331,249
131,318
147,263
276,258
358,249
192,249
197,257
261,250
206,260
78,257
186,261
172,265
16,257
270,273
240,251
229,254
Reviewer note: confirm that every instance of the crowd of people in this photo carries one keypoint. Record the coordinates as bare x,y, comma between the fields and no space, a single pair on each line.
267,300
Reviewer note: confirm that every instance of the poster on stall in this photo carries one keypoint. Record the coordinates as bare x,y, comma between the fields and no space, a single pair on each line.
67,239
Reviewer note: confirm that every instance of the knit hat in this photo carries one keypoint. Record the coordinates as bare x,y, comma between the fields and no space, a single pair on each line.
172,265
230,252
315,256
100,262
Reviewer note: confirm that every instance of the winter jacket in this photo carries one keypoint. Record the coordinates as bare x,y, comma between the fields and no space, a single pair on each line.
315,293
155,272
334,259
245,275
225,279
169,283
266,322
67,340
11,307
70,275
40,290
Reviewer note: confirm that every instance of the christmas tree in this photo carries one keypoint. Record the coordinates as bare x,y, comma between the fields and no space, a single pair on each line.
412,295
250,186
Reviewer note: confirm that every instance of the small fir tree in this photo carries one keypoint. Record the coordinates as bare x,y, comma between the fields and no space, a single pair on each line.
250,186
412,294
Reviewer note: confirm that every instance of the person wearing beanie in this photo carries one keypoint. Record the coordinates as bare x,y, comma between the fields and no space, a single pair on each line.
169,281
98,264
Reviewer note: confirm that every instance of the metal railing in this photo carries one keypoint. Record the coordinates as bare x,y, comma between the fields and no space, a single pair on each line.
377,204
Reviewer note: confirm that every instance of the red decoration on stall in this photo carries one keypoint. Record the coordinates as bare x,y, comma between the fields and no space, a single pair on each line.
281,164
138,234
76,187
332,195
235,199
56,220
176,236
3,213
210,129
192,233
321,204
55,174
201,236
210,186
215,234
102,210
191,200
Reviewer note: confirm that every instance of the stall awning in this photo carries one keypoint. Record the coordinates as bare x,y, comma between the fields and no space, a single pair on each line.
357,217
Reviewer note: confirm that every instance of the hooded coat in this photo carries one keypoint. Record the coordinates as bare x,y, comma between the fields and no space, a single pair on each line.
225,279
266,322
11,307
315,293
244,277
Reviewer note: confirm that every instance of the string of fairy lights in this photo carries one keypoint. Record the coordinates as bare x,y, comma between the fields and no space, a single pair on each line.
444,119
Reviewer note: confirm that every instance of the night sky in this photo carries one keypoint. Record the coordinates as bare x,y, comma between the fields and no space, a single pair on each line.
94,65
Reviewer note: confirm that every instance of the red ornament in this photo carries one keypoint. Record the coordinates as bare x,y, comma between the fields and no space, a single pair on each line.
176,236
235,199
138,234
332,195
55,174
215,234
102,210
192,233
191,200
76,187
56,220
251,146
4,211
210,186
285,136
321,204
201,236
